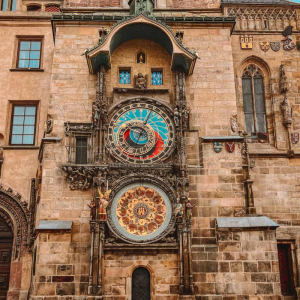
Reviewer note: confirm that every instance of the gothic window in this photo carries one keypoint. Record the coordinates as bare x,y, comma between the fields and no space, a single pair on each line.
124,76
141,58
156,77
141,284
23,125
81,150
254,100
286,269
29,54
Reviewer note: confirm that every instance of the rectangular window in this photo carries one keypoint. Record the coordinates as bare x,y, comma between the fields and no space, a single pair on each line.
4,5
81,150
124,76
29,54
156,77
23,125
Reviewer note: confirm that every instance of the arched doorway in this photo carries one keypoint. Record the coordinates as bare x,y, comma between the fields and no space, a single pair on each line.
141,284
6,244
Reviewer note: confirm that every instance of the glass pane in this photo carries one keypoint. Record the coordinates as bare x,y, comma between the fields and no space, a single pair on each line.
19,111
29,120
23,63
261,123
28,129
247,95
16,139
17,130
30,111
156,78
24,55
81,150
35,45
18,120
259,95
124,77
24,45
34,54
34,64
28,139
14,5
249,123
4,5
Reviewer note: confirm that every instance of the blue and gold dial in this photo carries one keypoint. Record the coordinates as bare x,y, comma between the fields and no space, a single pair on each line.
141,133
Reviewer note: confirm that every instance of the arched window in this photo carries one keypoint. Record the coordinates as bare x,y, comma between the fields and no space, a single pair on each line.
141,284
254,100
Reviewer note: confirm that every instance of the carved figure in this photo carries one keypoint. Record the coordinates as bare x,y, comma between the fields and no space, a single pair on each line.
103,204
185,117
179,34
176,117
48,125
286,112
1,153
283,84
233,123
189,208
104,115
178,210
93,208
141,81
96,115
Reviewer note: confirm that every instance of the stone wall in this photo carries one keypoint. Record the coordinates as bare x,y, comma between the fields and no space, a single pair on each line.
244,265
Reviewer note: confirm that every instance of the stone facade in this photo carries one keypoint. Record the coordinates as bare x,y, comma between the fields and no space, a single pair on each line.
202,69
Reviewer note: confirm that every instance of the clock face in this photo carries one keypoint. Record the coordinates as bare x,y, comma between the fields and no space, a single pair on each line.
140,212
141,133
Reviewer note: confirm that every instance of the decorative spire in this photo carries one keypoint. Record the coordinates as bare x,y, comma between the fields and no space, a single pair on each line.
141,7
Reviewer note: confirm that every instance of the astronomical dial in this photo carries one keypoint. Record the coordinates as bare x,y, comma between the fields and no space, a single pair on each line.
141,133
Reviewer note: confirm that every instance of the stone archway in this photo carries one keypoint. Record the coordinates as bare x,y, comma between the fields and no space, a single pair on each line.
15,215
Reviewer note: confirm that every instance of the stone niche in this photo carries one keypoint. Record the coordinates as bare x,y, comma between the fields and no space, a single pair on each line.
125,58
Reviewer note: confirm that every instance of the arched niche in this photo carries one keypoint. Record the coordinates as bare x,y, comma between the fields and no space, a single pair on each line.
140,27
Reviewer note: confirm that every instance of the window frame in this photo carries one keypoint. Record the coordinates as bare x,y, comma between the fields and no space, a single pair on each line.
157,70
87,149
125,69
12,125
29,39
246,72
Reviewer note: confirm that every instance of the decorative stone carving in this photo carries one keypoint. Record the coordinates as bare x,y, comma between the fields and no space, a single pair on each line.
177,117
253,18
233,123
79,178
48,126
283,83
15,212
185,114
286,112
102,34
141,81
179,35
77,127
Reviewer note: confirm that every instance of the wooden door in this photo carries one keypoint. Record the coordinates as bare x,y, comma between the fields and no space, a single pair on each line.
141,284
6,243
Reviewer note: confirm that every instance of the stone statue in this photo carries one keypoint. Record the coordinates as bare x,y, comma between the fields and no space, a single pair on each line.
104,115
286,112
185,117
103,204
178,210
141,81
96,115
93,208
189,208
283,84
176,117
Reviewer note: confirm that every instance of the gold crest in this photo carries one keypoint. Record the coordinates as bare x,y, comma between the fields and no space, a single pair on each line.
246,41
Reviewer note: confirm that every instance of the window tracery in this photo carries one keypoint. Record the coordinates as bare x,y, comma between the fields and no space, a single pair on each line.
254,99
